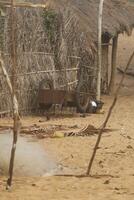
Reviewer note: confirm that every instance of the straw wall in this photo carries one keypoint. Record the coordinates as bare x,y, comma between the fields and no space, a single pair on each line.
43,43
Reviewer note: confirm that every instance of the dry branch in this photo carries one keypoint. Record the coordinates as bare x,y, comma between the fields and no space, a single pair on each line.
108,116
130,73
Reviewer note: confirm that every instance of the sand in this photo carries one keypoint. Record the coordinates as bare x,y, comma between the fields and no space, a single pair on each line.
112,171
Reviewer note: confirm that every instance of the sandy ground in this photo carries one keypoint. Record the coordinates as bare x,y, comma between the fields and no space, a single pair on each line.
112,171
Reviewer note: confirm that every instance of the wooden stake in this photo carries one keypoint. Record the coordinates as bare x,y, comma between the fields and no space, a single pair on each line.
113,65
16,117
99,50
107,117
17,123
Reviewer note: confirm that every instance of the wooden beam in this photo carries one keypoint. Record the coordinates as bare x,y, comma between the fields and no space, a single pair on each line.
24,5
113,65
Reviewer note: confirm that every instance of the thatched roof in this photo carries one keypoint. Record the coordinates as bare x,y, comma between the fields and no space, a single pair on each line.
118,15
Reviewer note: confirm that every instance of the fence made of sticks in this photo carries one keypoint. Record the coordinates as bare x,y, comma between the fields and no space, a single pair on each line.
43,50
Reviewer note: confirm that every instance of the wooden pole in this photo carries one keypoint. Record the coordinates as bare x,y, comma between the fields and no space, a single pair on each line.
104,84
108,116
16,117
113,65
17,124
99,50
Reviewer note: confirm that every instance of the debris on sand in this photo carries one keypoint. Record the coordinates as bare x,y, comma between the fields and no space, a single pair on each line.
86,131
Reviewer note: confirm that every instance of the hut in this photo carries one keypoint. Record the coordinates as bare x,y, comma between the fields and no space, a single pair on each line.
62,37
118,17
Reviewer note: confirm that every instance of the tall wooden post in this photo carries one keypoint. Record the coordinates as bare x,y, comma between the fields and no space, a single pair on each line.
16,117
113,65
104,84
99,50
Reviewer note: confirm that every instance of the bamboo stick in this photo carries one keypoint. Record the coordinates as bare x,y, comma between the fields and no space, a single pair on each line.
31,53
108,116
40,72
23,5
41,53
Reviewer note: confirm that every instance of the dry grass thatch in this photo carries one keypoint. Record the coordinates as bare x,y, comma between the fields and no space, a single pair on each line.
73,33
118,16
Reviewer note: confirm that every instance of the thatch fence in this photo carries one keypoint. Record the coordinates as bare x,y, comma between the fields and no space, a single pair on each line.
56,40
42,51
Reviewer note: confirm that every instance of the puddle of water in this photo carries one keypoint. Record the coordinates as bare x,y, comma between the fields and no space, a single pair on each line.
31,158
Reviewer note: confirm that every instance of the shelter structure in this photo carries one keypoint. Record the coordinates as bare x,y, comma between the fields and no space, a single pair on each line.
118,17
61,37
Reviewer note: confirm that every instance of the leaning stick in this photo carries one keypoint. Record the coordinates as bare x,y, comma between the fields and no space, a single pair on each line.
16,117
17,124
108,116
